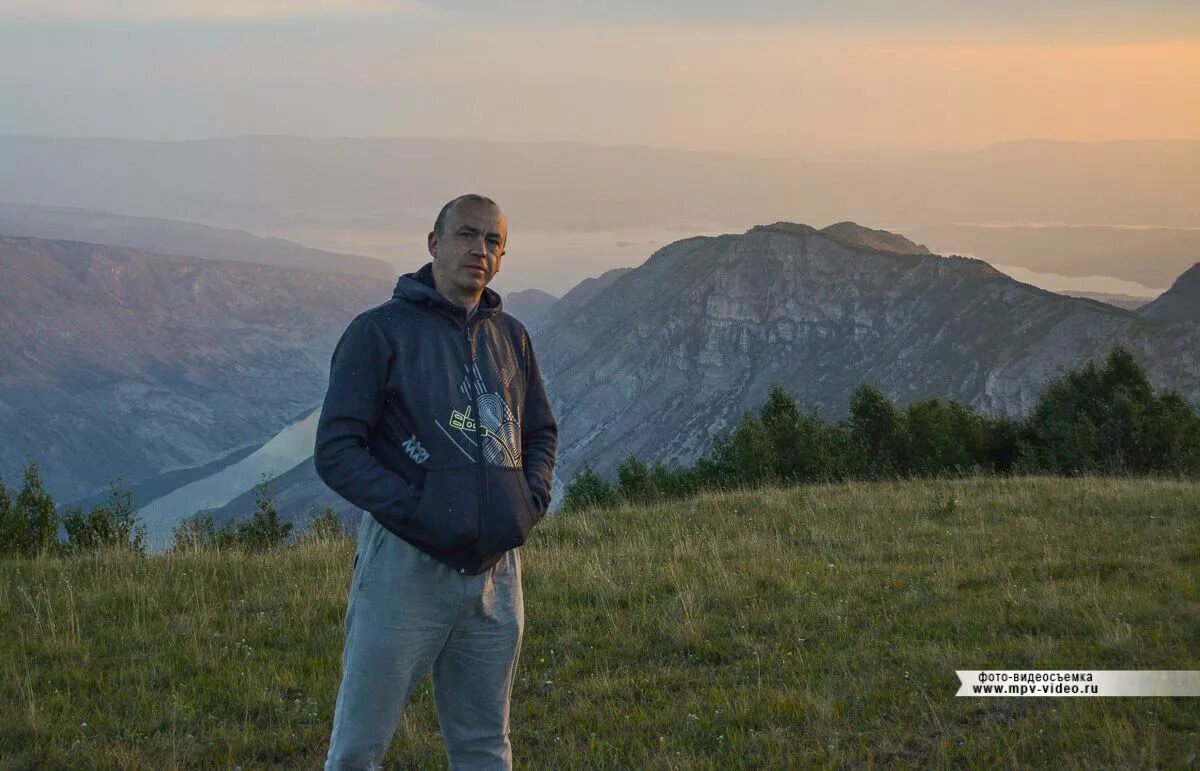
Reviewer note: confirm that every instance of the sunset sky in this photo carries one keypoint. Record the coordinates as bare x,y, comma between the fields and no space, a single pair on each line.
825,79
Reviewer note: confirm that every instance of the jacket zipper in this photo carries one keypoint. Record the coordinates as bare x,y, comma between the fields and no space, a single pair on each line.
478,435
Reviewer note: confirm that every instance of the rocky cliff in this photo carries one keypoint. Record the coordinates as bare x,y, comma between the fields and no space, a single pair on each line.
1180,302
669,355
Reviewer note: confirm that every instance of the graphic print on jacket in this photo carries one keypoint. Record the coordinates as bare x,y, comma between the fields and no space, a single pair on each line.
495,423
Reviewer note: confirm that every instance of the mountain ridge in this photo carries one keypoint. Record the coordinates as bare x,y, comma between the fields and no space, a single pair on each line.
1181,301
683,352
121,362
157,235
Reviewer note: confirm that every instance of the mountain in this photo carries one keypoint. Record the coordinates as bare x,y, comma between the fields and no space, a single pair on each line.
659,359
855,236
580,294
1181,301
668,356
529,305
189,239
375,196
123,362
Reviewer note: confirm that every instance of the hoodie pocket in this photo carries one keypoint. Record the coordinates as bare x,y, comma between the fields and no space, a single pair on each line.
511,512
447,514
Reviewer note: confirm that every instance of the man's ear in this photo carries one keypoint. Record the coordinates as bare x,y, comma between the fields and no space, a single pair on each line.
431,242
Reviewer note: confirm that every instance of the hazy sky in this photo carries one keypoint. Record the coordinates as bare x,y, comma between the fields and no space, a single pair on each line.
795,78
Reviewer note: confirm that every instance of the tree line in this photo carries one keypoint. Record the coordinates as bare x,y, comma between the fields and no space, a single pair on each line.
1096,419
30,524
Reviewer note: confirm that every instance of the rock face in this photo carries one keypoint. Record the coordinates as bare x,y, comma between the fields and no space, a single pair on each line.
855,236
119,362
1181,301
668,355
579,295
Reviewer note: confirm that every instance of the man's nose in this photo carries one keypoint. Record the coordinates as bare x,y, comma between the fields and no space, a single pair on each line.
479,246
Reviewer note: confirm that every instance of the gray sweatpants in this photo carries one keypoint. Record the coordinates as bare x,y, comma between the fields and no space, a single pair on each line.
409,613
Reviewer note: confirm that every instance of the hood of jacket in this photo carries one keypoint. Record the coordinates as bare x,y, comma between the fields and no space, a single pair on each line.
419,287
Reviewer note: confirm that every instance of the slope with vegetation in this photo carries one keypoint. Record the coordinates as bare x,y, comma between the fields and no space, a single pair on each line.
1097,419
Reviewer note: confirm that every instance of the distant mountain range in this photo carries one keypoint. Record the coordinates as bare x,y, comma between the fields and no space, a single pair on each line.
123,362
279,180
190,239
372,196
1128,302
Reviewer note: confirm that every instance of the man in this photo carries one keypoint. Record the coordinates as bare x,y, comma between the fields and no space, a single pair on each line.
436,423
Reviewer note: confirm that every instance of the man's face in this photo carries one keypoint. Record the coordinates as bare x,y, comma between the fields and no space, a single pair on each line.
466,254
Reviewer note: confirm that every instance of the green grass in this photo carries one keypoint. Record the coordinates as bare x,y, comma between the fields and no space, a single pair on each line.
816,626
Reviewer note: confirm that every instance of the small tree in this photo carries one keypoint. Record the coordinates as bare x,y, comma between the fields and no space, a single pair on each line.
588,490
326,526
743,457
264,529
633,481
9,527
34,518
194,532
879,431
114,523
1108,419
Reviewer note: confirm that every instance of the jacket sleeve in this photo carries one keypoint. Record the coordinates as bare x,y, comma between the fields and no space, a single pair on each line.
358,375
539,433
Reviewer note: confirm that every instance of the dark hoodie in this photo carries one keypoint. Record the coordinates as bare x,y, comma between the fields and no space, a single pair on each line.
439,426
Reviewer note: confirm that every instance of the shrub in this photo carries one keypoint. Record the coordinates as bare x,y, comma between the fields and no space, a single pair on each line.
588,490
9,528
878,432
199,532
113,523
326,526
1108,419
29,524
264,529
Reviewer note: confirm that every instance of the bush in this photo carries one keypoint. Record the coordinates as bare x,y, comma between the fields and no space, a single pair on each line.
1094,419
29,524
264,530
9,528
588,490
878,434
1107,419
113,523
780,444
326,526
199,532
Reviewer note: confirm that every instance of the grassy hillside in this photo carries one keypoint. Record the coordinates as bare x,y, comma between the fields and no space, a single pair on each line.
769,628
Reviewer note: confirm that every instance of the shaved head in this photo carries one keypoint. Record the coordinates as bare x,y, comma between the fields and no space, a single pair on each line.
439,224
